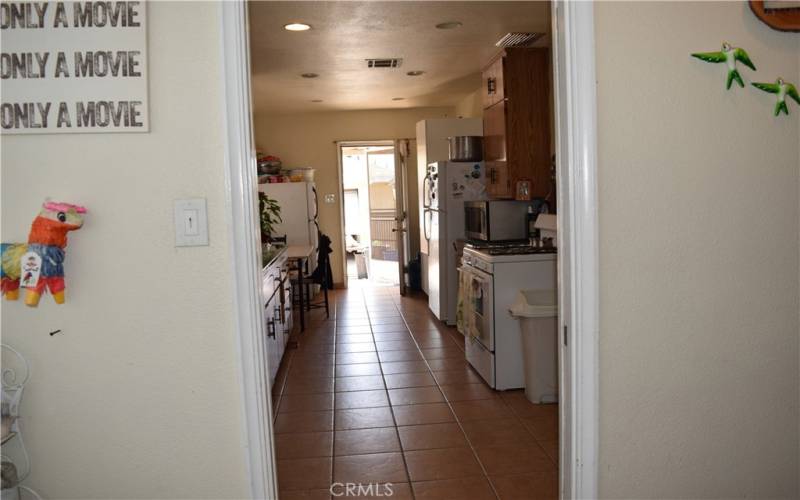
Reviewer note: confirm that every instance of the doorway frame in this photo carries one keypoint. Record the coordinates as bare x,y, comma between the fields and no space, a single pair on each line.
576,143
340,172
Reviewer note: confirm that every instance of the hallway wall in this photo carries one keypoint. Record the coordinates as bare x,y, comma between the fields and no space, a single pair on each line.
699,230
307,139
138,396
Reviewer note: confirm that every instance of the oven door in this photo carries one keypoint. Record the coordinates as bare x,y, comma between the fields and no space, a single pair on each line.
480,310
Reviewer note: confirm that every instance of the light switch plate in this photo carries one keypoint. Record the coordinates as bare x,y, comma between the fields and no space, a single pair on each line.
330,198
191,223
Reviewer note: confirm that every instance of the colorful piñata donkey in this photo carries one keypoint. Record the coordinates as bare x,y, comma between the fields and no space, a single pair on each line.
39,264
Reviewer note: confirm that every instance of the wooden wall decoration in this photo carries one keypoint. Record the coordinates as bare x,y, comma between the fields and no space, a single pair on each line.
777,16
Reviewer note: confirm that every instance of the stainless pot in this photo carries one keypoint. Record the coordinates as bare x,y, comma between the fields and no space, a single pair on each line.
466,148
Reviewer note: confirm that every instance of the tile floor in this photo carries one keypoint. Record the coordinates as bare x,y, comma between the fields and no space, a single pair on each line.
380,392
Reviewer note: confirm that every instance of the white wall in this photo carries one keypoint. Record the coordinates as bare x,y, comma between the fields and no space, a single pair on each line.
138,396
699,257
307,139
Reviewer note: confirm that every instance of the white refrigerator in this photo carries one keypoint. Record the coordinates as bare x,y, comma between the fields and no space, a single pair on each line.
447,186
299,214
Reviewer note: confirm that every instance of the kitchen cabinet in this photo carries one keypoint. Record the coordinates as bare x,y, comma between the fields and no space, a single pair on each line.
516,122
276,297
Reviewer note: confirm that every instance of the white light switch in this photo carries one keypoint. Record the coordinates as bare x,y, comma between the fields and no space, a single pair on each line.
330,198
191,223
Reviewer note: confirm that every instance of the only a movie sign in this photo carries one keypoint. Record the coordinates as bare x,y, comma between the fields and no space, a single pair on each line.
72,67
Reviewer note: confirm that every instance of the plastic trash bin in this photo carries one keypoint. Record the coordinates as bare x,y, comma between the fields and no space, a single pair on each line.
361,265
537,312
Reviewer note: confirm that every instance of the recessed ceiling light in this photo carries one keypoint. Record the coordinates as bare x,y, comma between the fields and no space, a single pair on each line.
415,73
316,100
297,27
398,98
309,75
449,25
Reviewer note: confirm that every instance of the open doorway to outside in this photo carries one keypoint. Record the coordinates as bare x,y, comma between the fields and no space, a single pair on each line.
373,247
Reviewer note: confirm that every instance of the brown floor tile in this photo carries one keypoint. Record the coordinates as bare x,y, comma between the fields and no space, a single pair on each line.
433,343
304,421
304,473
432,413
400,380
514,458
358,369
461,376
533,486
350,358
313,358
551,448
305,402
447,364
447,463
392,356
404,367
525,409
362,441
360,383
542,428
310,370
481,409
364,418
392,337
359,347
360,399
389,328
315,385
475,488
387,320
497,431
305,494
316,348
442,353
430,436
467,392
396,345
415,395
353,330
378,467
346,322
354,339
304,445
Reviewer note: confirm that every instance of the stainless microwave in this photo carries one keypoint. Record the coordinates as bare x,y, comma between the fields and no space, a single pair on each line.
496,220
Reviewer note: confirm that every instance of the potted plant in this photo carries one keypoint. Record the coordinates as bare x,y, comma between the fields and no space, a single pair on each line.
270,215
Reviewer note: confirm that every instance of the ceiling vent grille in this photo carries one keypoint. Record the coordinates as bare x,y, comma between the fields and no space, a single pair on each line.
518,39
384,63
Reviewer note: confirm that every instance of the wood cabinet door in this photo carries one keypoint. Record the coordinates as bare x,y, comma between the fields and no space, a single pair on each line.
493,90
494,132
498,182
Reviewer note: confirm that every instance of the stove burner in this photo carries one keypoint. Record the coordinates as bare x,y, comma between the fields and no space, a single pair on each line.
509,248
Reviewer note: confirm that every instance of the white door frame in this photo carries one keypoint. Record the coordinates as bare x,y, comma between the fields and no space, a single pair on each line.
245,249
576,146
576,140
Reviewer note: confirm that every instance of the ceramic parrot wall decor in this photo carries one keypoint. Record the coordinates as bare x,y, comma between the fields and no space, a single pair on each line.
782,89
38,265
728,55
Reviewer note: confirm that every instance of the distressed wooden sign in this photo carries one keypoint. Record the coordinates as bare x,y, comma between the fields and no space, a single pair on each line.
73,67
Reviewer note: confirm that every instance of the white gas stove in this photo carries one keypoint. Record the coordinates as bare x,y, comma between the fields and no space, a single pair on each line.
495,351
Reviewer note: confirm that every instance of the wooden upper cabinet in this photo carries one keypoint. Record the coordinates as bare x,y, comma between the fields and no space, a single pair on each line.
493,90
516,122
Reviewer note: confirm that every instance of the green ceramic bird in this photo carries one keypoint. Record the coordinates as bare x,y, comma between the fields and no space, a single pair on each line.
782,88
729,55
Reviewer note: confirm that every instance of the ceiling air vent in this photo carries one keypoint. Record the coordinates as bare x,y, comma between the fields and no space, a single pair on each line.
518,39
384,63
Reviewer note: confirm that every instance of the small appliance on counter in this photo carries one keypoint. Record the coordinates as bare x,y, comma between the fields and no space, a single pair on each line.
497,220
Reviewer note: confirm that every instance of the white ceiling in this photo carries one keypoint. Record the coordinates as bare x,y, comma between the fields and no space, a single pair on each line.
345,33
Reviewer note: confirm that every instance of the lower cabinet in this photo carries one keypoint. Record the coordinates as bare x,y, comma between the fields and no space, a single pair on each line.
277,296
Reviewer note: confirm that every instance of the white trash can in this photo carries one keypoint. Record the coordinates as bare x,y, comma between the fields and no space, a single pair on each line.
537,312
